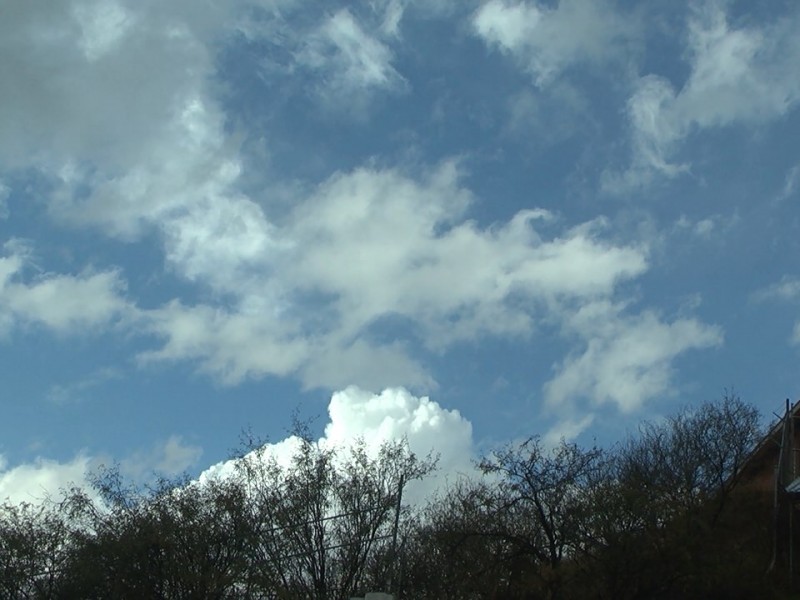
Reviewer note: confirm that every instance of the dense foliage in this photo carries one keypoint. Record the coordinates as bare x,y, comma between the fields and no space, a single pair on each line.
661,515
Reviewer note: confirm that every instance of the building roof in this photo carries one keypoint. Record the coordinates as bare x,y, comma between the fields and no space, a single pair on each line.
775,450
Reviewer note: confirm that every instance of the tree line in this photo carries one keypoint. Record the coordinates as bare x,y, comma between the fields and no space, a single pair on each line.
662,514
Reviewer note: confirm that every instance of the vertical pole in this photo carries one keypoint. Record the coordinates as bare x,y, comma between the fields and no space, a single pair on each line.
793,463
778,485
789,479
775,519
789,430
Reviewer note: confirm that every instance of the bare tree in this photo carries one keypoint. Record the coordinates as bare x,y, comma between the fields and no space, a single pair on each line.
318,524
660,516
459,547
547,486
693,457
35,543
508,535
667,520
178,540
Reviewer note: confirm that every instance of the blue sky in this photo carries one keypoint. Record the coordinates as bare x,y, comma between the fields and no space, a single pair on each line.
552,217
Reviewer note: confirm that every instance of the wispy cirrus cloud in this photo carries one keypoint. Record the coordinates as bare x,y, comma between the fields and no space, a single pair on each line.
739,75
356,62
167,458
788,288
547,40
78,390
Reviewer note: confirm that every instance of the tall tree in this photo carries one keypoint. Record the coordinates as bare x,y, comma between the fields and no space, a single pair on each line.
668,519
35,545
318,525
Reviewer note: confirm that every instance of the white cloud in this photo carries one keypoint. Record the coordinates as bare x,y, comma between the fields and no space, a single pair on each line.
168,458
218,240
373,245
61,303
112,102
76,391
507,25
547,41
704,227
789,184
788,288
163,162
626,360
404,248
392,415
392,14
71,70
745,75
306,295
707,228
230,345
183,185
103,25
67,303
43,478
655,135
567,429
354,61
181,182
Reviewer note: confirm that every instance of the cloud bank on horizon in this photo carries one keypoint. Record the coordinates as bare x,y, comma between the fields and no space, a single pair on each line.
353,414
554,217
